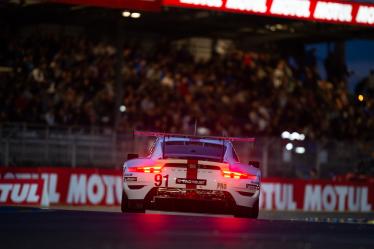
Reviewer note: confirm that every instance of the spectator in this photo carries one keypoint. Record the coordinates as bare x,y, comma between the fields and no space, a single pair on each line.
71,82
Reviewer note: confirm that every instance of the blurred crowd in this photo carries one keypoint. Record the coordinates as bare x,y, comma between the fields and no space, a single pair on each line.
71,81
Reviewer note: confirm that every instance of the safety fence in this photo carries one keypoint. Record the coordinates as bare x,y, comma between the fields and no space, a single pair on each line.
35,145
103,187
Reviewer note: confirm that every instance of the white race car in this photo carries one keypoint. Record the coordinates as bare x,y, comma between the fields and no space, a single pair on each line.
194,170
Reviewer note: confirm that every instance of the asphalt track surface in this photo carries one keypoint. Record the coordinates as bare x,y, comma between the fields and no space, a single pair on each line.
36,228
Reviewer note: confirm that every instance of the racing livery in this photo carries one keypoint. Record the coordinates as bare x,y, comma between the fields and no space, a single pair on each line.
191,169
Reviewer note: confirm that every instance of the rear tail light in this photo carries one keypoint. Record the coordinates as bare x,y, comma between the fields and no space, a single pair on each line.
146,169
237,175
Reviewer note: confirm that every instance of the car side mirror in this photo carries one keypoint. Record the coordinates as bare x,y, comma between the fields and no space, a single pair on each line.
255,164
132,156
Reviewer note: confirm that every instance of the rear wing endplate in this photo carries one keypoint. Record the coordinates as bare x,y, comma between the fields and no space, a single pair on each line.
164,134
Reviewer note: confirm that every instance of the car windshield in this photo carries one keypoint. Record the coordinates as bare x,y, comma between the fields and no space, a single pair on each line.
196,150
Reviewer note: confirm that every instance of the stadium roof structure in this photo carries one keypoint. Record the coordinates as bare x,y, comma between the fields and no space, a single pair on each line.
173,20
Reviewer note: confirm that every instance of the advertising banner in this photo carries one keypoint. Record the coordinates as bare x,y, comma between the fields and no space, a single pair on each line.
25,192
334,11
66,186
103,187
316,195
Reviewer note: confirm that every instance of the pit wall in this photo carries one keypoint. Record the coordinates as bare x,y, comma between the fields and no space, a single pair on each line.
103,187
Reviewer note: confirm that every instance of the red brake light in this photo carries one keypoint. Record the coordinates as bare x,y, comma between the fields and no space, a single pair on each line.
237,175
146,169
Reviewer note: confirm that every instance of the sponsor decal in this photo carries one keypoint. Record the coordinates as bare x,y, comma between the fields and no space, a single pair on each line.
190,181
191,174
131,178
192,166
221,185
252,187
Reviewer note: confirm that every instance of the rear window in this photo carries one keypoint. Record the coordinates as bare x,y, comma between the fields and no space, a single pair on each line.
198,150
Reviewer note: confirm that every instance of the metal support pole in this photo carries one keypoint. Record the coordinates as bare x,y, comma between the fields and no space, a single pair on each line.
114,150
73,154
265,159
46,149
6,153
318,163
21,157
91,156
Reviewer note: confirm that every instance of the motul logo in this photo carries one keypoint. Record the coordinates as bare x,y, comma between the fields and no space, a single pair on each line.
315,197
22,192
50,183
365,15
244,5
19,193
94,189
333,11
331,198
299,8
65,186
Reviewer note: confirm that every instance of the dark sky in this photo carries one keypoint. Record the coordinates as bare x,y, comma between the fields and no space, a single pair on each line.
359,58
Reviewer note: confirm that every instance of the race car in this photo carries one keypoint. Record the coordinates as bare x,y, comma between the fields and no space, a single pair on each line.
193,169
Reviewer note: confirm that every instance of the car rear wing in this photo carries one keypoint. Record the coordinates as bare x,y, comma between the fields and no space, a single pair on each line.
164,134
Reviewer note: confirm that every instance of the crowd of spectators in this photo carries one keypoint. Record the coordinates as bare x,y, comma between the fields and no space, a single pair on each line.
71,81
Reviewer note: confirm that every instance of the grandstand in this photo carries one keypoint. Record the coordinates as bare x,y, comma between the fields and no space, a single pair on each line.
86,68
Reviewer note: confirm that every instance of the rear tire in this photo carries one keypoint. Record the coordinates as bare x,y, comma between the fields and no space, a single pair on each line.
131,206
247,212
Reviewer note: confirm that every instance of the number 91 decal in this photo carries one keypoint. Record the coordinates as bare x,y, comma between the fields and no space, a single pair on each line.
159,179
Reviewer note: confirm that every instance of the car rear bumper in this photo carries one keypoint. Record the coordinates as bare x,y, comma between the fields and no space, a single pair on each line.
172,199
243,192
180,198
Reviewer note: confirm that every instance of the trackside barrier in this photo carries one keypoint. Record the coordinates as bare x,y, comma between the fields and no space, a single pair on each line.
23,192
103,187
316,195
77,187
